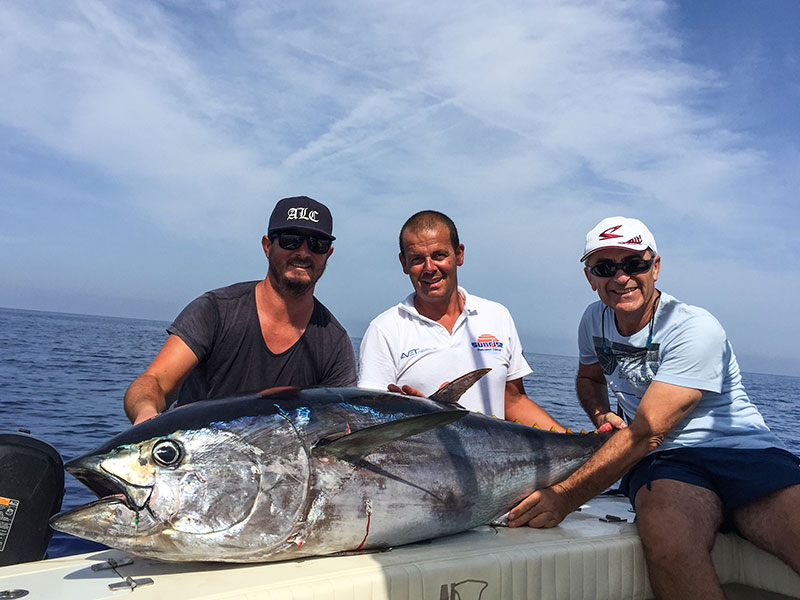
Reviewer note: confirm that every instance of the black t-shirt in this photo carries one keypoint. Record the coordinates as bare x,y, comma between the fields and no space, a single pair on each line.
222,329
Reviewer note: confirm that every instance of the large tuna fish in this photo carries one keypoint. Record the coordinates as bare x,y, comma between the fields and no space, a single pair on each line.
294,473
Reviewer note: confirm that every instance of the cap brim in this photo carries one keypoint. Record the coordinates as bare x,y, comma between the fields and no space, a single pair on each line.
628,248
322,234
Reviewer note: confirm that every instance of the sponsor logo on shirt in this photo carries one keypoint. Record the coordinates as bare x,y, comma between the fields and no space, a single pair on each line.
414,352
486,342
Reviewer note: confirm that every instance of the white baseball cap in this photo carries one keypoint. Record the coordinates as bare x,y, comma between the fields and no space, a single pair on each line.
619,232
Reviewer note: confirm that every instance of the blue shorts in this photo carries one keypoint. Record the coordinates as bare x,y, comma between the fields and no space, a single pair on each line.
737,476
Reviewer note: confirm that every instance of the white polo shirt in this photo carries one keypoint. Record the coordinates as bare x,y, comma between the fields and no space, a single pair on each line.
403,347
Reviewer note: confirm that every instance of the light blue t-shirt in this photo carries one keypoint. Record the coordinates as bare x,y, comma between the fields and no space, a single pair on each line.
689,348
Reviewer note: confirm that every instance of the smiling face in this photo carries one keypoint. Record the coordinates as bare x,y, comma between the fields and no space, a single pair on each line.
294,271
631,297
430,261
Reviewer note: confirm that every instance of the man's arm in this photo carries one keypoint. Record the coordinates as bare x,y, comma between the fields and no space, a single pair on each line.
147,395
662,408
524,410
590,385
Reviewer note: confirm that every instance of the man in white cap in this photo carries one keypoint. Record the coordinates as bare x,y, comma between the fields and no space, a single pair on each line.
694,450
257,334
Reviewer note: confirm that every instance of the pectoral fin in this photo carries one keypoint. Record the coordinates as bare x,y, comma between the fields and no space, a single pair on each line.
358,444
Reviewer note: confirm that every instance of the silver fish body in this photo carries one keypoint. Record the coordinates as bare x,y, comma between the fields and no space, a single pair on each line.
310,472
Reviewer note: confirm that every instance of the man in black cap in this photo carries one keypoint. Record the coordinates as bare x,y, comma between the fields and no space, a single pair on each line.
257,334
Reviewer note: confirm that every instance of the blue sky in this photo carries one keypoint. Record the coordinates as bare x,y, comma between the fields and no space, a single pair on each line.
143,145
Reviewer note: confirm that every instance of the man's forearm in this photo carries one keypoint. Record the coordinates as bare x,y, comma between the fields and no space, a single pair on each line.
593,397
518,407
549,506
528,412
606,466
144,399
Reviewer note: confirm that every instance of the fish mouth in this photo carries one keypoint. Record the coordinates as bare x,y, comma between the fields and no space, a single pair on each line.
106,485
105,520
71,521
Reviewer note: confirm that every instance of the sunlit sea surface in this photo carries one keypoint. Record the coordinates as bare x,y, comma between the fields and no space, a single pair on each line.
63,376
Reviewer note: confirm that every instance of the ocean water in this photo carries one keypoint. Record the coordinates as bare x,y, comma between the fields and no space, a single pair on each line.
63,376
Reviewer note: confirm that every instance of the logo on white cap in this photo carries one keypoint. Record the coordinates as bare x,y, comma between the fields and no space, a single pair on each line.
609,233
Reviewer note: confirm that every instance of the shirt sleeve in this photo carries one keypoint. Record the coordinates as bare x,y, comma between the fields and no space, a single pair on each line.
692,356
518,366
376,367
342,372
196,325
587,354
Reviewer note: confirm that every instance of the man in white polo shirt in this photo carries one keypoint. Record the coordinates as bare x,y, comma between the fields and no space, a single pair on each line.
440,332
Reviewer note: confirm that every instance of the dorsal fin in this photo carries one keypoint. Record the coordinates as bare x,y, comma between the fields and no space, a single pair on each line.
450,393
356,445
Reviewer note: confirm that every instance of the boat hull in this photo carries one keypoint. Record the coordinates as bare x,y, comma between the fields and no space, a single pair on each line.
590,555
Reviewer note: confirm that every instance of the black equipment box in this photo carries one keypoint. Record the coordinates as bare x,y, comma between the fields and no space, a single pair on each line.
31,491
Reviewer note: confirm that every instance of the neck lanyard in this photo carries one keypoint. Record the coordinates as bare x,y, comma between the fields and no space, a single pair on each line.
650,329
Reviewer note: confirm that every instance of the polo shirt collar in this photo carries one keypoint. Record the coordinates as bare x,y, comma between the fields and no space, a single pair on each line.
407,305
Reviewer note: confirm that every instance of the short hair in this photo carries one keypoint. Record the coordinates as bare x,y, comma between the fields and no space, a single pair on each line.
429,219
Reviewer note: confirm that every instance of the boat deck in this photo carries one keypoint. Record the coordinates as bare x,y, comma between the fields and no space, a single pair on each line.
589,556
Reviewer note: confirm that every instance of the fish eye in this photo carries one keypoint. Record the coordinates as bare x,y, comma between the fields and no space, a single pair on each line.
167,453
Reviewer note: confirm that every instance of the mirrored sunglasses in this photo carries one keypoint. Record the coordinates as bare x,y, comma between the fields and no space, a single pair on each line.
630,266
292,241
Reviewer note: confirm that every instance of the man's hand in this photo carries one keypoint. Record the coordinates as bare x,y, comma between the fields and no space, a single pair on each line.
145,414
406,389
612,419
543,508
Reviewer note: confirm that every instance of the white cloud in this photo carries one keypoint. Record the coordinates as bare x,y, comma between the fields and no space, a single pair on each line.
527,121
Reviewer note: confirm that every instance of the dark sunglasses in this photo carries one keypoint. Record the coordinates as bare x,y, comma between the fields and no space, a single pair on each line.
631,266
292,241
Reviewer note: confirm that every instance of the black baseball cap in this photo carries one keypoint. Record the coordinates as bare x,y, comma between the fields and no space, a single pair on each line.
301,212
